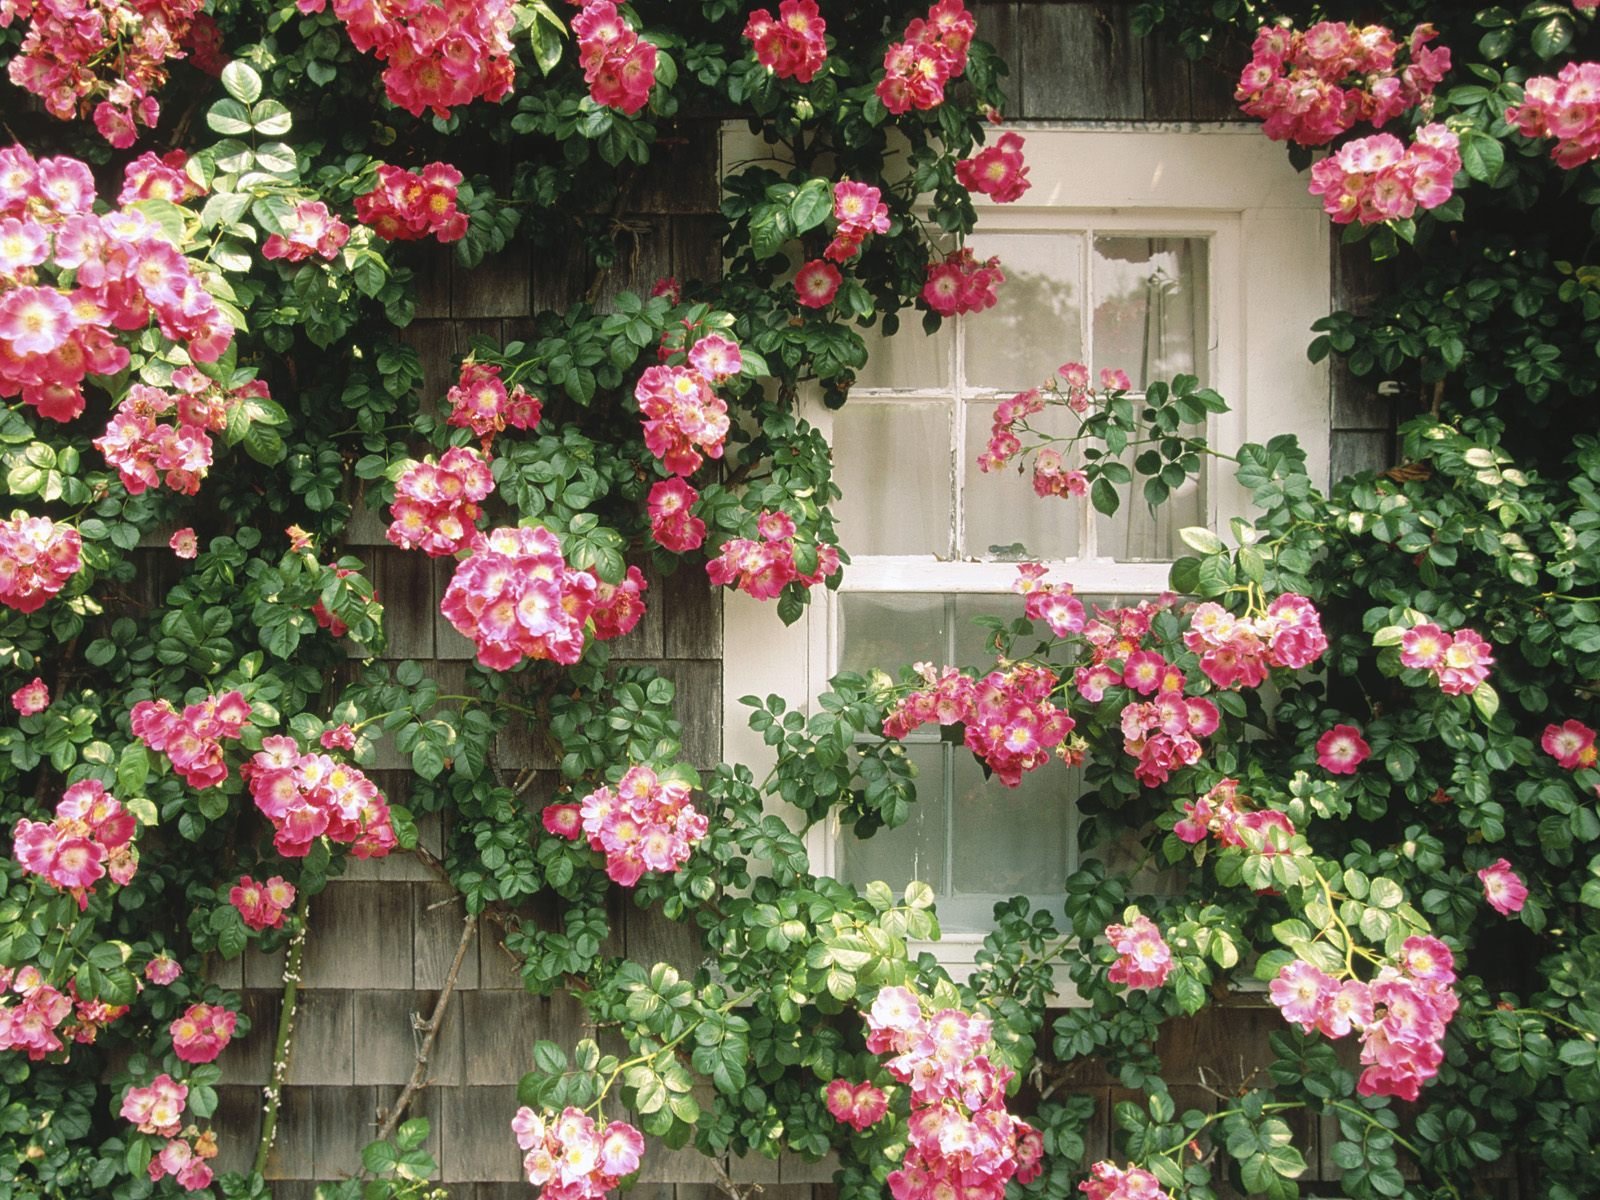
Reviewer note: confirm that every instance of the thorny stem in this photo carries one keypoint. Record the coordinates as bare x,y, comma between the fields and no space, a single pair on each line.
280,1051
1587,1035
1212,1118
652,1055
1409,1147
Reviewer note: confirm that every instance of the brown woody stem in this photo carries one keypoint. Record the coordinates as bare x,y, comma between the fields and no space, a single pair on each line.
280,1051
419,1073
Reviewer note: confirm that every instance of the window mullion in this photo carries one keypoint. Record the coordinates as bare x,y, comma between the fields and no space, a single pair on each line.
1088,532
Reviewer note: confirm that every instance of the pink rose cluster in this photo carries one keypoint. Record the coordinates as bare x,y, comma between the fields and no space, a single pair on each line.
1051,475
1459,661
438,54
192,740
571,1158
685,421
308,796
618,607
1566,107
1143,957
1221,814
1311,86
310,229
122,269
645,824
929,55
407,206
31,1024
1052,603
996,171
31,698
204,44
1400,1015
962,1141
1164,733
1503,888
1107,1181
262,905
480,402
515,596
858,1105
157,1108
618,65
1571,743
1004,442
39,1023
793,46
1114,637
146,452
858,210
1010,723
159,177
1379,178
437,504
1239,651
89,1017
962,284
672,521
762,569
91,837
110,55
185,1162
202,1032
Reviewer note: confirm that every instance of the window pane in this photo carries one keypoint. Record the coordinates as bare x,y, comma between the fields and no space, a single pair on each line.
1138,533
892,462
1012,841
909,359
890,630
915,850
1150,313
1037,323
974,644
1004,519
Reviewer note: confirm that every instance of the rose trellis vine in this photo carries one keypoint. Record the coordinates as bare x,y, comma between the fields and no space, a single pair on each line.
1360,729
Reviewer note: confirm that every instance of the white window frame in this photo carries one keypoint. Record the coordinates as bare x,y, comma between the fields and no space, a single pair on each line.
1270,278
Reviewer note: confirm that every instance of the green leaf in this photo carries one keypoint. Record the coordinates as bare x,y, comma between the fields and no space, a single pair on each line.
1552,35
229,118
769,230
379,1158
270,119
1486,700
239,80
1481,155
1198,537
1104,497
811,205
133,768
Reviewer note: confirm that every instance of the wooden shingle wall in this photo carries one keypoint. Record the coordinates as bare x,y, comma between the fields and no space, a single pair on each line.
382,938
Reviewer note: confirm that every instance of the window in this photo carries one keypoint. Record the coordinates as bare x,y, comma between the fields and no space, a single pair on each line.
1150,250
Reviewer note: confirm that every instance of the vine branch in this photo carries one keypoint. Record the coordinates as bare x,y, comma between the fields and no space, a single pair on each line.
280,1050
419,1073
